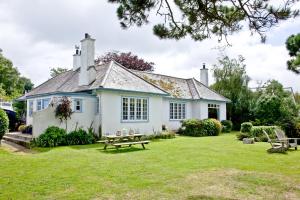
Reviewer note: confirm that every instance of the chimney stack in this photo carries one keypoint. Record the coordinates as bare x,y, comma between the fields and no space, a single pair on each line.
87,60
76,58
204,75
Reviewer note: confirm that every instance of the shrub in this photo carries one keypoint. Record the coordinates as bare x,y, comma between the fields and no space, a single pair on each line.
241,136
227,126
52,137
22,128
258,134
246,127
28,129
195,127
4,123
162,135
191,127
79,137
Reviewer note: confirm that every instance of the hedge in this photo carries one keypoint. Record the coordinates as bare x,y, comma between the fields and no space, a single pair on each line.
227,126
4,123
198,128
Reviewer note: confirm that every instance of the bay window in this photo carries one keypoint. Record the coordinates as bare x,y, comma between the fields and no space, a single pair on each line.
134,109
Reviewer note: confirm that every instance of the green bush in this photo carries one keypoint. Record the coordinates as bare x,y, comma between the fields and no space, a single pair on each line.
191,127
258,134
241,136
162,135
227,126
80,137
21,128
246,127
52,137
198,128
4,123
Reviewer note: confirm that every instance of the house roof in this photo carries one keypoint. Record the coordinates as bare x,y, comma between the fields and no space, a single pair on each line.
116,77
181,88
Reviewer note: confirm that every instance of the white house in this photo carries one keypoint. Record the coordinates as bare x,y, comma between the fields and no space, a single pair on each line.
111,97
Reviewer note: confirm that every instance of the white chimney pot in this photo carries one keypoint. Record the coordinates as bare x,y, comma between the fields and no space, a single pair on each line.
204,75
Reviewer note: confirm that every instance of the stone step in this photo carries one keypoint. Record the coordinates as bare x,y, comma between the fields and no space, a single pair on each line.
16,140
17,135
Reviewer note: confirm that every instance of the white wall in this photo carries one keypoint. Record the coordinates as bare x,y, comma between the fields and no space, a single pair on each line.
194,109
40,120
111,113
175,124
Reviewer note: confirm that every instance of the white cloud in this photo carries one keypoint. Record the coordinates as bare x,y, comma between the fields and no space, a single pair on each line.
38,35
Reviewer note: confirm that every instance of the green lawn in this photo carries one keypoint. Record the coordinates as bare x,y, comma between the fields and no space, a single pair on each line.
181,168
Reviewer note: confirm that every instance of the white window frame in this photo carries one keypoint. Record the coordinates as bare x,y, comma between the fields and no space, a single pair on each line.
177,111
75,101
41,105
134,109
30,108
214,106
97,105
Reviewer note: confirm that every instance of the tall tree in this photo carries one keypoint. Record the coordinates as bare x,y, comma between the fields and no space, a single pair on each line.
202,19
56,71
11,81
293,46
232,82
297,97
128,60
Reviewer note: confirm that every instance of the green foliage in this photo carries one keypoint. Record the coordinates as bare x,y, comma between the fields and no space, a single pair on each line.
201,19
12,84
232,82
241,136
79,137
293,46
4,122
56,71
198,128
226,126
162,135
275,106
246,127
258,134
63,110
52,137
21,128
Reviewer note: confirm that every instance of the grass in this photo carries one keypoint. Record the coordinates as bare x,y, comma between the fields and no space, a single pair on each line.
182,168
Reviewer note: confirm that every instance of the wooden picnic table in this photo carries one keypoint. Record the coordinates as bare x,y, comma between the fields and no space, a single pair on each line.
114,139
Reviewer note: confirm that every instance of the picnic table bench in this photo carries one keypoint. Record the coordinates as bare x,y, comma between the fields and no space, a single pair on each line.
124,140
118,145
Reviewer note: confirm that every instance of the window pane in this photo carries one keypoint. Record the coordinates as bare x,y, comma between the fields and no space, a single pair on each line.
132,107
145,109
183,111
171,111
125,109
139,109
39,104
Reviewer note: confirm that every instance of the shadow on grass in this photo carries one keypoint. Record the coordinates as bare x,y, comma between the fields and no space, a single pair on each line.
113,150
204,197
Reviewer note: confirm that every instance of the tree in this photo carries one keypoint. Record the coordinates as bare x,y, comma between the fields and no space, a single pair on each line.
128,60
275,106
232,82
202,19
63,110
56,71
11,81
293,46
297,97
4,122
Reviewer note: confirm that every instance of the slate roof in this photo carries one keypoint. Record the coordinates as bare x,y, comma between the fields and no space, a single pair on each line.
116,77
181,88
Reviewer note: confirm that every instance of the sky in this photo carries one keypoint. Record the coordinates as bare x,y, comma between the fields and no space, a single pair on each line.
39,35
